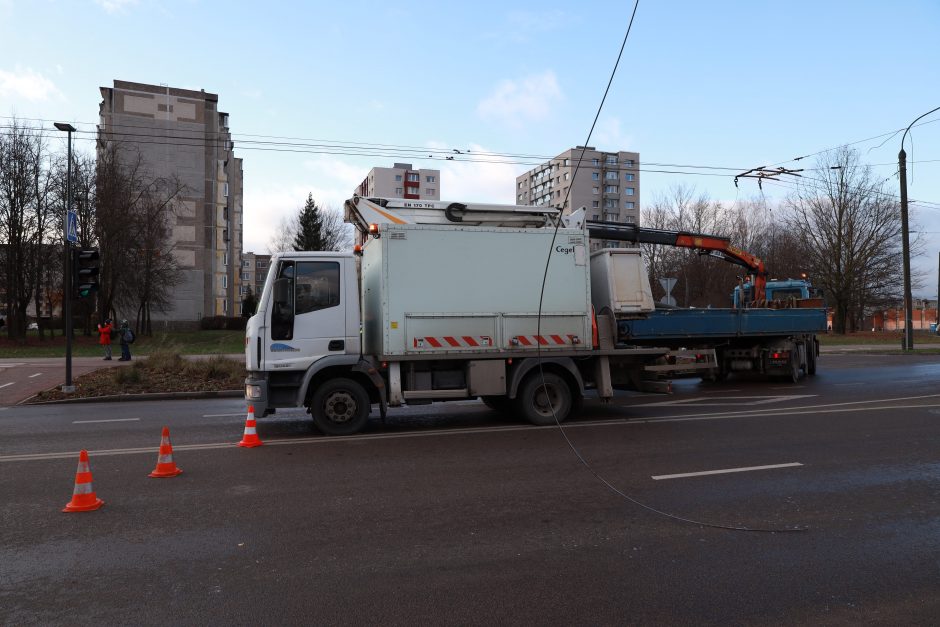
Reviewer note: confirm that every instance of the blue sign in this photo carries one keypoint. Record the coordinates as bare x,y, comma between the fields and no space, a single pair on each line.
71,227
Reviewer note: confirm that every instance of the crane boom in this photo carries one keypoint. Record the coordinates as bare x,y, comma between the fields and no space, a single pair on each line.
710,244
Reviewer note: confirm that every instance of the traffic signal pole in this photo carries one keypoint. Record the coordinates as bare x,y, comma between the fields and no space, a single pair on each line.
67,292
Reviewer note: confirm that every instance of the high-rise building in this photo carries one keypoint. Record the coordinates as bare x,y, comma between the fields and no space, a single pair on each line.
180,134
254,272
401,181
607,184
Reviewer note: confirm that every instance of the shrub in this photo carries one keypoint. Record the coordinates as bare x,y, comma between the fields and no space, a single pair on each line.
223,323
129,376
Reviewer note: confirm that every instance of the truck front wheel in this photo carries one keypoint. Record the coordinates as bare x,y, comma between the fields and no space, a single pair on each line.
542,402
340,407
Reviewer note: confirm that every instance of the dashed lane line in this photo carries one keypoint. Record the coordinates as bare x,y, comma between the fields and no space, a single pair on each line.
87,422
6,385
33,376
723,471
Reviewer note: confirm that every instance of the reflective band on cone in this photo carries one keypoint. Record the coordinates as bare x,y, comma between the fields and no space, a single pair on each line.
165,465
250,438
84,498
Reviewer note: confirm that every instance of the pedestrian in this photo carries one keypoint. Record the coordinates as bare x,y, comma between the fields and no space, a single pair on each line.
104,337
127,337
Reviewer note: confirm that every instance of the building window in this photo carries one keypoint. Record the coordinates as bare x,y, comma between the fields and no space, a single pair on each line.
610,217
595,217
224,282
398,191
595,190
595,162
610,203
629,177
520,185
567,163
611,189
629,191
246,263
628,163
225,306
414,178
429,179
629,205
612,159
225,189
595,204
429,190
412,190
610,176
397,178
224,259
566,176
630,219
595,176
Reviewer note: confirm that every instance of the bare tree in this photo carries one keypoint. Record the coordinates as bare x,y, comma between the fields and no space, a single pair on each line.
21,217
284,234
850,227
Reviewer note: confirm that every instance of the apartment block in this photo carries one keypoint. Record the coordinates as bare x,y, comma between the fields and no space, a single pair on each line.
401,181
181,134
607,184
253,273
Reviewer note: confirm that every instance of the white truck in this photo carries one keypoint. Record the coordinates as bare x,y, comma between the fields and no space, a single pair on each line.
444,301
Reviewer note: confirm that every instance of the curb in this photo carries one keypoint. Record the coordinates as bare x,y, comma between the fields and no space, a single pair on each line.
152,396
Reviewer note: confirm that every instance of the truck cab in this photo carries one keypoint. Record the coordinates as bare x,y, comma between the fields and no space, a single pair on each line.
308,318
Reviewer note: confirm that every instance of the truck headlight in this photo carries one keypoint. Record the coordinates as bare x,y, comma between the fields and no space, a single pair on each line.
253,392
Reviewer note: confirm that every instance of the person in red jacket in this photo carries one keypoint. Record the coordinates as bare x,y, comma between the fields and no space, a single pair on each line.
104,337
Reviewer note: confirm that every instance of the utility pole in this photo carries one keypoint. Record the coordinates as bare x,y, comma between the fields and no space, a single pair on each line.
905,233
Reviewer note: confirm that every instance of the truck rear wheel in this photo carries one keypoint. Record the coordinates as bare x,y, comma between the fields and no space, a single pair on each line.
340,407
541,403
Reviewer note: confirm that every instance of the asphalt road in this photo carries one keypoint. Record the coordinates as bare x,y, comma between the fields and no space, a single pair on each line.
449,514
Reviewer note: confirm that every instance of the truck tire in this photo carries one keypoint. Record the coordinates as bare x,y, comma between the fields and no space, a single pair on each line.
795,366
340,407
536,399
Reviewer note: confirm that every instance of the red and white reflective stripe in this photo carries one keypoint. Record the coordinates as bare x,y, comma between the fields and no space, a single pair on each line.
453,341
543,340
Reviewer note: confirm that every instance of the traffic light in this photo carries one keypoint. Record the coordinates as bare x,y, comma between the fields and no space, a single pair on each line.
84,271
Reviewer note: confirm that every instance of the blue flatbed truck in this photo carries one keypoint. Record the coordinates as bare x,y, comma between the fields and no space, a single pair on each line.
771,329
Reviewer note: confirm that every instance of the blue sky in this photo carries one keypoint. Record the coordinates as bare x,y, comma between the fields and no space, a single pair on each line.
721,84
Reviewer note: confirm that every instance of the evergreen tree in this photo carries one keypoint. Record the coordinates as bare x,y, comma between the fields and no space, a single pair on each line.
310,228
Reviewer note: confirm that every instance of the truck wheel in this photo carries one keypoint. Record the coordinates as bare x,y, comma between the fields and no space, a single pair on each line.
536,399
340,407
795,366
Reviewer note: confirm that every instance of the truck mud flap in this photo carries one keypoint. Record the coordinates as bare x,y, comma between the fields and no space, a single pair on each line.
369,370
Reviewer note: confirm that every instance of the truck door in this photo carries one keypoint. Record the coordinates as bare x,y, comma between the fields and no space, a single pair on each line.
308,313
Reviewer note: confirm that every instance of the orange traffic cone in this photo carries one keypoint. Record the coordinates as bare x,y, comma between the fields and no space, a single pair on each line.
165,466
250,439
84,498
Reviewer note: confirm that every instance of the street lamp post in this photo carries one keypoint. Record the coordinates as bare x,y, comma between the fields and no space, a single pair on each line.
906,242
67,280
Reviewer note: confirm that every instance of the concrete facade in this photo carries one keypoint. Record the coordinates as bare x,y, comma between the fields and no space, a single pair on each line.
607,185
180,133
401,181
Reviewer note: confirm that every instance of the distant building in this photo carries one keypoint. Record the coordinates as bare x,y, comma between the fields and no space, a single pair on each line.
181,133
254,271
401,181
607,185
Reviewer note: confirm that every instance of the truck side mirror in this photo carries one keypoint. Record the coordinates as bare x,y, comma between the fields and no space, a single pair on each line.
282,290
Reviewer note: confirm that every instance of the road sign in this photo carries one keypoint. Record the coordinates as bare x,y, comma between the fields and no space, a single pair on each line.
71,227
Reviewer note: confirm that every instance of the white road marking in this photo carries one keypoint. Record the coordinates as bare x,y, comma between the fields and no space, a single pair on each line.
789,387
724,471
86,422
767,412
244,413
12,365
721,391
33,376
701,401
857,383
6,384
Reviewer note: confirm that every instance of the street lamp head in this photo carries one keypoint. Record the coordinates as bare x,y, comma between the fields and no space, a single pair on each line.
64,126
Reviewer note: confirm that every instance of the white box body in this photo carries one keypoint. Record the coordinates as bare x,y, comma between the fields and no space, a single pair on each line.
443,289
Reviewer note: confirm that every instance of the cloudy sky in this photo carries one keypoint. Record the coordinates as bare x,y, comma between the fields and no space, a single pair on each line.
337,88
